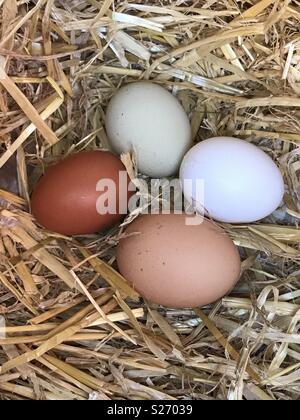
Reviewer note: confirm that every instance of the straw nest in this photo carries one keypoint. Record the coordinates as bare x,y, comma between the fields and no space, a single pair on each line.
235,66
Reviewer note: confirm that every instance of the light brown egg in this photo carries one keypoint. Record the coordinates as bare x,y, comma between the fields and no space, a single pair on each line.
177,265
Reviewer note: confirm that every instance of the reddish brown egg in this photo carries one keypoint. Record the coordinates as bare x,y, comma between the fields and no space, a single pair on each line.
178,265
68,196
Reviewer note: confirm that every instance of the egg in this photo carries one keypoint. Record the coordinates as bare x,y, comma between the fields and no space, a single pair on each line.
175,264
147,119
67,198
242,184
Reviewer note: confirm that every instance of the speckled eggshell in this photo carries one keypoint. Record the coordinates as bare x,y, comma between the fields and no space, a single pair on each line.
176,265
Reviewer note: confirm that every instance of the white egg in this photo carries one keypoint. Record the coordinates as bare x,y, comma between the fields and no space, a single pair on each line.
242,184
145,118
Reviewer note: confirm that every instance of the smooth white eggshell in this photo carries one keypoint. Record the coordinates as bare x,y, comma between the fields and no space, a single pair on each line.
145,118
242,184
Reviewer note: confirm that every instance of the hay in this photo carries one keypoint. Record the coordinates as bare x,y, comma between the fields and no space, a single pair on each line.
76,330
